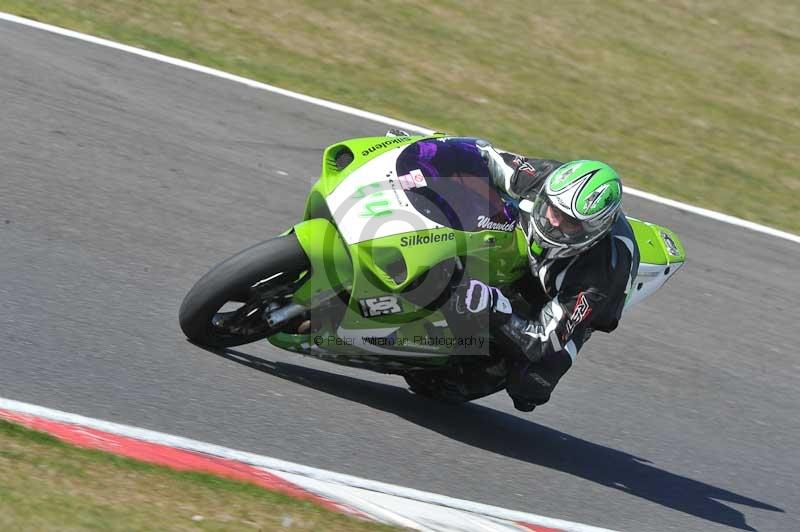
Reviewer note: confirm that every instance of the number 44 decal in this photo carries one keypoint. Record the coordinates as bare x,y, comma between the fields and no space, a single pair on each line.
380,306
375,207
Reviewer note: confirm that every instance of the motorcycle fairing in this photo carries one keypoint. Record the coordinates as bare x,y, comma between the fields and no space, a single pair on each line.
365,238
661,254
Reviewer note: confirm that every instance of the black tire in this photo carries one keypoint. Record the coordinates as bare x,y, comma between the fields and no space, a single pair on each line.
232,280
435,388
450,388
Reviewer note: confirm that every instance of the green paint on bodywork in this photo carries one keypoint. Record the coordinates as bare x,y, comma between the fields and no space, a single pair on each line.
375,209
388,266
364,191
394,262
654,243
363,150
331,267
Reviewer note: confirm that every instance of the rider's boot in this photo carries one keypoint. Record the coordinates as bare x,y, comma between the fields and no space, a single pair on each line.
523,405
531,384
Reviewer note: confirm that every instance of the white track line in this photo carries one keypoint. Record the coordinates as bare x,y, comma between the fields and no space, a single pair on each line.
290,467
714,215
707,213
212,72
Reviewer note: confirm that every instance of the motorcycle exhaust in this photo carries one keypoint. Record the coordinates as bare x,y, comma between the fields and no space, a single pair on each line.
284,314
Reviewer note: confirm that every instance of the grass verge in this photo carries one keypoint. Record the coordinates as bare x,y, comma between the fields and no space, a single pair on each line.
693,100
46,484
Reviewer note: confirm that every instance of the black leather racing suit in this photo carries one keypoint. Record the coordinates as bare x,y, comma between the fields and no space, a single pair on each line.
583,293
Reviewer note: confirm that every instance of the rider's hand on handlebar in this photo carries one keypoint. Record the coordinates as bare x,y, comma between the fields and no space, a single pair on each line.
475,299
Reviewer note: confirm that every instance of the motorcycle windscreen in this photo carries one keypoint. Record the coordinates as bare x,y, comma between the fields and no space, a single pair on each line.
448,182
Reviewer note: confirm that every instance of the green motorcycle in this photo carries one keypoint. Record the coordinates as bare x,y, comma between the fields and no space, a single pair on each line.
390,227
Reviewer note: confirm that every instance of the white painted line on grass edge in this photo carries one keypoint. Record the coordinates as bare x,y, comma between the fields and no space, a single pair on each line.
714,215
290,467
8,17
700,211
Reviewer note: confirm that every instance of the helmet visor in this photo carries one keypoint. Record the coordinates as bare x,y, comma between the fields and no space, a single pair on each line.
556,228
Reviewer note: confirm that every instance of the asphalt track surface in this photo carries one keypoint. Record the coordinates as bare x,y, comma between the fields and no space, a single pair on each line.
122,180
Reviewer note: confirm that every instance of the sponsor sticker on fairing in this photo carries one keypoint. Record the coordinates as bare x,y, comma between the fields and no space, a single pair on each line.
672,247
416,240
385,144
413,179
484,222
379,306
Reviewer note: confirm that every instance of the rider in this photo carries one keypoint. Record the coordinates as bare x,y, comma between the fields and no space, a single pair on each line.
583,254
583,260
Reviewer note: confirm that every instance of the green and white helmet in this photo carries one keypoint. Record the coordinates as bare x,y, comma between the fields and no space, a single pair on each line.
576,207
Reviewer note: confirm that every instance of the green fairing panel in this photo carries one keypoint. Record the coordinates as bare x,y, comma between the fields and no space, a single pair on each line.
657,244
391,264
331,267
363,150
394,262
388,266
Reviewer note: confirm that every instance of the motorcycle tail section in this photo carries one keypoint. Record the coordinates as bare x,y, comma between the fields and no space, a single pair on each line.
661,254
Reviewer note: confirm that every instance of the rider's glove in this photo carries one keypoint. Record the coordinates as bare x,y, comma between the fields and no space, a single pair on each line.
476,299
500,172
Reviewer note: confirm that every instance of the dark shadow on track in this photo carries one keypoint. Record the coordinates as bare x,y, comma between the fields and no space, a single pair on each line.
517,438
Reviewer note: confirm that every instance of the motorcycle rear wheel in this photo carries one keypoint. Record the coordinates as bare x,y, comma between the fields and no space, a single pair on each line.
254,279
451,388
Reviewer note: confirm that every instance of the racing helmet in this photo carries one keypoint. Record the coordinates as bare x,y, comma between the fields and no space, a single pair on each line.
576,206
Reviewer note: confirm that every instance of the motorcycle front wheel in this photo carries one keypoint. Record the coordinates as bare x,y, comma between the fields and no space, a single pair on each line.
227,306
